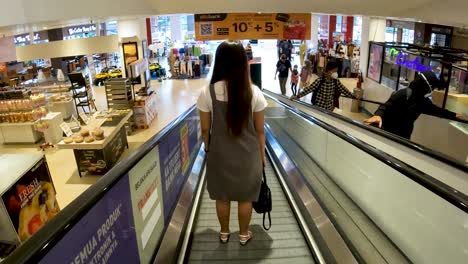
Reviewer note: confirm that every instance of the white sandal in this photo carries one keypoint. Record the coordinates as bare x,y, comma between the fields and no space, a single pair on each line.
244,239
224,237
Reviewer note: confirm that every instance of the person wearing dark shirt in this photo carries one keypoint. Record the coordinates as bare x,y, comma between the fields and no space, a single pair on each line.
326,88
283,67
399,113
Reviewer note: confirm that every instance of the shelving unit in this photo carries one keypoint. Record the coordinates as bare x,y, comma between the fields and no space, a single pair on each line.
119,94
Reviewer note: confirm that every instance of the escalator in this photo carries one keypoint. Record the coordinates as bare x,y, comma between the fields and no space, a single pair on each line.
283,241
338,197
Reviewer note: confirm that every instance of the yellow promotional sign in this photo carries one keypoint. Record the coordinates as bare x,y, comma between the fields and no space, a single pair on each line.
240,26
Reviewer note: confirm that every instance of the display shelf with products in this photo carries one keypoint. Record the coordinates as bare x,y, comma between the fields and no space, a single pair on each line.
99,145
28,198
144,110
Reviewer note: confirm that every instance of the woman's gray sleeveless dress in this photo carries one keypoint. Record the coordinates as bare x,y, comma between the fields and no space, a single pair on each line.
234,164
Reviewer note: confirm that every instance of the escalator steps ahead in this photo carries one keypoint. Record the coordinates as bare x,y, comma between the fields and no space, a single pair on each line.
283,242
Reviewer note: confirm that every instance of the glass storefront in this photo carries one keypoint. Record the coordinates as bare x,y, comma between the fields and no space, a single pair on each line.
401,63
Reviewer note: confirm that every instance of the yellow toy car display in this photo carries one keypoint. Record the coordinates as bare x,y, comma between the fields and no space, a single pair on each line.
153,67
107,73
115,73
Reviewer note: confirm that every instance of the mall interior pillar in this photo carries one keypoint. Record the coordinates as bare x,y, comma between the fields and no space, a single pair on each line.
331,30
314,31
373,29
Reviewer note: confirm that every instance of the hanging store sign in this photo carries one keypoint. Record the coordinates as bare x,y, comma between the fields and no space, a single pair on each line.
240,26
81,29
416,65
26,38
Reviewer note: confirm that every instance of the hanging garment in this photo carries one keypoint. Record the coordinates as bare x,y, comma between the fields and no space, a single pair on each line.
189,68
183,67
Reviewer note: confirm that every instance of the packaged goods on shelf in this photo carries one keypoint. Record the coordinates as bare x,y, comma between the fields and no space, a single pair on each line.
144,110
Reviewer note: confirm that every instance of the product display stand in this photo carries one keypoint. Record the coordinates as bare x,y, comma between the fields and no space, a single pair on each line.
119,94
53,134
98,157
145,111
25,178
19,133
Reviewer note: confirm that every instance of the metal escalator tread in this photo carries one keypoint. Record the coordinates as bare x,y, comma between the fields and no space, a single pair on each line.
283,242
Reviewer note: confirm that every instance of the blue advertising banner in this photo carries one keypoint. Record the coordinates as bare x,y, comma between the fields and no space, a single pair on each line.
176,151
106,234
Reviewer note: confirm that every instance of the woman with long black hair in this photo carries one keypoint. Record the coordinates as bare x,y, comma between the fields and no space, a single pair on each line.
232,123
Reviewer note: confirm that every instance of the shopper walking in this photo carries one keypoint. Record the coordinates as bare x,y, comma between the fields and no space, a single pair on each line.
305,75
294,80
326,88
232,123
283,67
399,113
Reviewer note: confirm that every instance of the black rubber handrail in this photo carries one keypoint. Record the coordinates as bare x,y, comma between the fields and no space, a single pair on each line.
420,148
46,238
446,192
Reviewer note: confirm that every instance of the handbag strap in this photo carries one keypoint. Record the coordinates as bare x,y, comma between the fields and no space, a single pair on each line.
264,175
269,220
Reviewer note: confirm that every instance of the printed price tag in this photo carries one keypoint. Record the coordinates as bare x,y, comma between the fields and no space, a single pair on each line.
66,129
85,118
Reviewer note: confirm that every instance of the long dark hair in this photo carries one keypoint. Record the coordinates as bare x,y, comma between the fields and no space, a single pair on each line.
231,67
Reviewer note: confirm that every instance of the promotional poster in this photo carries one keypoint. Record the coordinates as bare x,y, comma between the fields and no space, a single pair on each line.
176,152
106,234
31,202
375,62
146,193
240,26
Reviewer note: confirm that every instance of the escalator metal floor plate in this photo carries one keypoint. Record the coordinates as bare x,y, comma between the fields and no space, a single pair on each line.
283,242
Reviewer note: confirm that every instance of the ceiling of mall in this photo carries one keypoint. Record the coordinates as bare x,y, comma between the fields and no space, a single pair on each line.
32,15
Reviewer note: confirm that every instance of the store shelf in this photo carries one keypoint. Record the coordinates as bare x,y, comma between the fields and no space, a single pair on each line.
119,94
17,124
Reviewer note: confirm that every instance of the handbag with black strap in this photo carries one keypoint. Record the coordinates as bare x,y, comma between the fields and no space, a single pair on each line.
263,205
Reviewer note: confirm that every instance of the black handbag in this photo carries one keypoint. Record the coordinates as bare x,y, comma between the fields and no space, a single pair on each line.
263,205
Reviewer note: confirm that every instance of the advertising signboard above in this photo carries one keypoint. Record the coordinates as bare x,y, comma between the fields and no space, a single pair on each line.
240,26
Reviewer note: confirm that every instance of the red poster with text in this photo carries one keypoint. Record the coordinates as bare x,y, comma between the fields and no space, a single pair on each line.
31,201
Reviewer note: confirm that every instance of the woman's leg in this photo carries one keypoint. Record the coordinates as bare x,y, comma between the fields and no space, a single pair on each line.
223,210
245,214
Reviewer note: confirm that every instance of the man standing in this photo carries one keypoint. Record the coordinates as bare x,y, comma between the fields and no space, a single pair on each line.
283,67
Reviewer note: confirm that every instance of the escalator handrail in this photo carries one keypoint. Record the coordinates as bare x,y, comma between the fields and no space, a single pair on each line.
390,136
446,192
36,247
